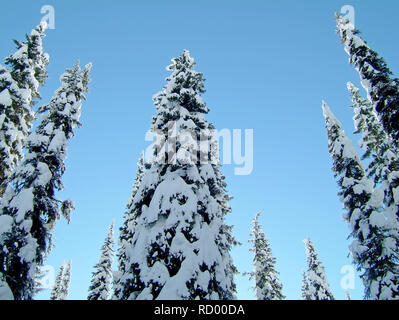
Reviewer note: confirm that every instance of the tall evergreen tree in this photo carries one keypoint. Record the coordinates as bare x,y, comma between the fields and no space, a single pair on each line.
12,125
267,283
66,281
38,280
57,288
376,78
29,205
375,142
306,294
181,245
372,249
123,276
384,164
28,63
316,279
100,288
19,88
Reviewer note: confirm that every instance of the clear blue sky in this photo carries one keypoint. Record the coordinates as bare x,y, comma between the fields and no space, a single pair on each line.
268,65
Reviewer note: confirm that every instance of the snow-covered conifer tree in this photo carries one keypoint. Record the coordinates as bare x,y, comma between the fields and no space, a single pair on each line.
66,281
57,288
12,117
29,206
375,142
19,88
267,283
373,248
28,63
384,164
123,276
318,286
382,90
38,281
306,295
100,288
62,282
181,245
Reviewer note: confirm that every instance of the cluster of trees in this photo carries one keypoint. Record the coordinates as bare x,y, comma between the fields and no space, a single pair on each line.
32,161
266,277
174,242
172,206
315,285
62,282
369,183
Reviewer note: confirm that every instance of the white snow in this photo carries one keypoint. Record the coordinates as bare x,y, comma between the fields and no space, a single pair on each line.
44,175
28,252
5,98
377,219
5,224
58,141
23,201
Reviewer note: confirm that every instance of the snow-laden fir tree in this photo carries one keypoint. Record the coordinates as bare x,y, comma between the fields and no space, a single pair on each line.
267,283
376,78
29,208
181,245
375,142
123,276
306,294
101,282
38,281
66,282
28,63
373,250
19,87
57,288
318,286
384,164
13,106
